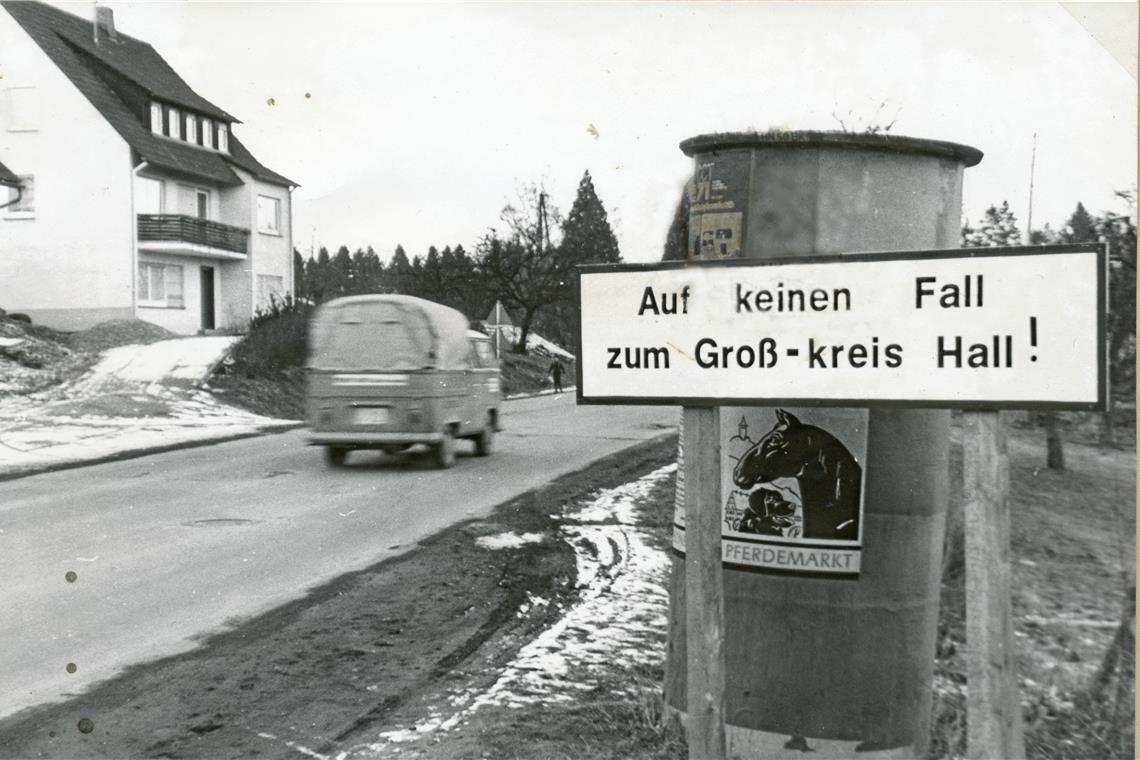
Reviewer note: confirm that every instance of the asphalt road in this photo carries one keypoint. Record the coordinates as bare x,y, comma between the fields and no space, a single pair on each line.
171,547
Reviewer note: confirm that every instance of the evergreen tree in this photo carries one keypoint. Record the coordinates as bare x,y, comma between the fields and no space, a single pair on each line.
587,238
416,277
677,239
339,274
316,275
1044,236
465,285
299,288
369,272
1080,228
399,272
431,277
998,227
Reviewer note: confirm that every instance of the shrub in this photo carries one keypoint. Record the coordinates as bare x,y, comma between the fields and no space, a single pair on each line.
275,341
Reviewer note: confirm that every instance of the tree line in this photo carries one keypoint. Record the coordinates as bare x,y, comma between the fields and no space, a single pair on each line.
528,265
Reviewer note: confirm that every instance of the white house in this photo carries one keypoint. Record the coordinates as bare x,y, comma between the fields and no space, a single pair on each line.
133,197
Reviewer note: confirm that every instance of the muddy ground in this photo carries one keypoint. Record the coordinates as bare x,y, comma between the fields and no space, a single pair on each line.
326,672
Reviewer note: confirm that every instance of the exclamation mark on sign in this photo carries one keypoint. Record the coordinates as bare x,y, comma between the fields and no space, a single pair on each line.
1033,336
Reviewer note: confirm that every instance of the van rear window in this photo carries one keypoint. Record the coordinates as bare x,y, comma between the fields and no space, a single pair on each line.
364,336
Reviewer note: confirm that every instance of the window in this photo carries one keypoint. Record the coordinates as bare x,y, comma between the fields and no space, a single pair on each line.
269,287
191,128
485,352
268,215
208,133
160,285
203,203
156,118
223,138
20,109
27,203
174,123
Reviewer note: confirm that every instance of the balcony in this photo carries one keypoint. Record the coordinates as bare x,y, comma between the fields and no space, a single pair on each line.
175,233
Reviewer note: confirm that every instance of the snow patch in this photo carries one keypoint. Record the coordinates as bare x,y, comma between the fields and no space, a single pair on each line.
187,360
508,540
63,425
620,617
534,342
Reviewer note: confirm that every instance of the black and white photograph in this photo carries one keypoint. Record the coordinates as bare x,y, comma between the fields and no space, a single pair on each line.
631,380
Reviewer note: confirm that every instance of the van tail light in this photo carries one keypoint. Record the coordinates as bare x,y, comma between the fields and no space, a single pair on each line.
415,414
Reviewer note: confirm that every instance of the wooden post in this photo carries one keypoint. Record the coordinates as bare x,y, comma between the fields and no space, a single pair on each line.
704,589
993,703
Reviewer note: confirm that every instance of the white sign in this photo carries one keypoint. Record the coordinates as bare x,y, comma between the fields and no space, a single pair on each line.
792,485
985,328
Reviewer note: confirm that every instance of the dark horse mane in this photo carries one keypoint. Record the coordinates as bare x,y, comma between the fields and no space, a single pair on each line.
829,477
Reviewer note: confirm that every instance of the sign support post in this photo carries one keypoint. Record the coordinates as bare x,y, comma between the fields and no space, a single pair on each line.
993,704
704,588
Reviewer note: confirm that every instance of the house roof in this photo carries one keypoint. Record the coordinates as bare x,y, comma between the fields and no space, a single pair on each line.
113,73
7,178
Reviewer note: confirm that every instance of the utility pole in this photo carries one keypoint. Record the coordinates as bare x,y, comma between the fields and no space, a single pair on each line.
542,227
1029,218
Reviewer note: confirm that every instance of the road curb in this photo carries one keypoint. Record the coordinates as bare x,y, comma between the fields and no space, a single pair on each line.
516,397
271,429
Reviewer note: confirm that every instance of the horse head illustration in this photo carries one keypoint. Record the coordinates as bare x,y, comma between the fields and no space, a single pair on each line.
828,476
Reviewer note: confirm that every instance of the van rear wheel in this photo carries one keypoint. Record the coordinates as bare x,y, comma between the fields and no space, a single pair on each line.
485,441
336,455
444,451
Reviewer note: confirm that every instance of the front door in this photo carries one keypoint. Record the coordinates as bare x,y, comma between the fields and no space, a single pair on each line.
207,298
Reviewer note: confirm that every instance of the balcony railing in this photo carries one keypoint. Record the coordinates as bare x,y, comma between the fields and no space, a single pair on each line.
189,229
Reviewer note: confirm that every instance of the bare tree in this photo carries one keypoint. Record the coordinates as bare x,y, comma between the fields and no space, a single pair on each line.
523,265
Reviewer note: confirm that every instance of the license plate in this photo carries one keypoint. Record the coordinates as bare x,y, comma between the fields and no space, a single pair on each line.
370,416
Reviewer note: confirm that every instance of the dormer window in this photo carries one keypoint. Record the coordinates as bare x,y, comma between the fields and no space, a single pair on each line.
191,128
223,138
207,133
156,118
174,123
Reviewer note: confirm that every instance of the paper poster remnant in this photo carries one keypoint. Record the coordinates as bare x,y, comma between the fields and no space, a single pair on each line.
717,202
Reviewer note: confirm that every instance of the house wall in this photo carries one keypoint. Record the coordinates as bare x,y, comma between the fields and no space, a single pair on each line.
233,280
67,265
187,319
272,253
236,306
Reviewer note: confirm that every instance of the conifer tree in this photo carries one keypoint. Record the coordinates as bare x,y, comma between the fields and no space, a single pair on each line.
399,272
998,227
587,238
1080,227
586,234
677,239
299,288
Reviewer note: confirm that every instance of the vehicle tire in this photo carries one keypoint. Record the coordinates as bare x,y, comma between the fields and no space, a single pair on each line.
444,451
485,441
336,455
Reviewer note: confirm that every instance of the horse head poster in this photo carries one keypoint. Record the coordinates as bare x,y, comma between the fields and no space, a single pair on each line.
792,488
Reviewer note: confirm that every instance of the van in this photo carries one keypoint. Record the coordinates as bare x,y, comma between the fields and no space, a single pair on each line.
390,371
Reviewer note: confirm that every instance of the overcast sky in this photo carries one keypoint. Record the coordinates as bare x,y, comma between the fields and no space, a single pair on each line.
415,124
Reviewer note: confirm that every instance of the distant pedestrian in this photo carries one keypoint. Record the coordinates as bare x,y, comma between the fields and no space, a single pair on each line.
556,375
